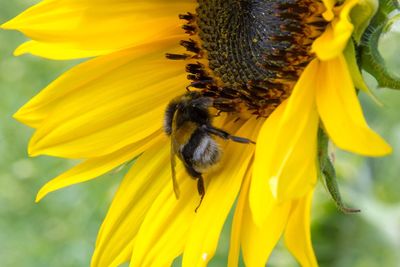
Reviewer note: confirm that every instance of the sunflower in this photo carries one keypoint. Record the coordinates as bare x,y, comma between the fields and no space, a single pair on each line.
277,71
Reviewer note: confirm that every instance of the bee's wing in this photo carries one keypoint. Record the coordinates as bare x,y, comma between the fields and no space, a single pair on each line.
173,164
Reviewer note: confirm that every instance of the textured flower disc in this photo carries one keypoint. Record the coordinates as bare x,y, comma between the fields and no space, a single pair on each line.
249,53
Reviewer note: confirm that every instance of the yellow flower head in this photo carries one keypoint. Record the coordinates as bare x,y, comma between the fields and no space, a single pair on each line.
274,71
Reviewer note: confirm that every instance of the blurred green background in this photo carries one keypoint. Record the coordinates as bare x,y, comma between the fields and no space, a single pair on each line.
61,230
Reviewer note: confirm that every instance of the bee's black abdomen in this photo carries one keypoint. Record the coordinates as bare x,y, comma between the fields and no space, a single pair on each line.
192,172
201,152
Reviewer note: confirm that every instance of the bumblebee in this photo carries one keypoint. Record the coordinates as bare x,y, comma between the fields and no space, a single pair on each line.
188,122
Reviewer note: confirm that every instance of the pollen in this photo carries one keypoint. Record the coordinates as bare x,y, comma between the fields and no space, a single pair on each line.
248,54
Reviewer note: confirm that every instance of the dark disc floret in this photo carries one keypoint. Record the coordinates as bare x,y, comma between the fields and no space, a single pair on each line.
254,50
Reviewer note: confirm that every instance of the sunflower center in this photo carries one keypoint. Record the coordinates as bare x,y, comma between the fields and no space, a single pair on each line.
250,53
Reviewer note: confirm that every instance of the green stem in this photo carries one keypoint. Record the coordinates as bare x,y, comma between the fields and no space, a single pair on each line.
371,59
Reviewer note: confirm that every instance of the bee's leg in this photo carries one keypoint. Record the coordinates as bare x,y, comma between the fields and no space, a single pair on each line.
200,183
192,172
226,104
201,190
225,135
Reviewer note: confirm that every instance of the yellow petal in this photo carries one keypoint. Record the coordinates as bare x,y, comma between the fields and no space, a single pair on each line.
137,192
328,14
334,40
127,103
84,76
164,231
286,149
96,27
294,182
260,195
122,256
92,168
237,222
205,230
341,112
297,234
257,240
56,51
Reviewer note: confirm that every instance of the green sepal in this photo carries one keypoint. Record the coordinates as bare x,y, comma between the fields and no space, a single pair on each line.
328,173
358,80
361,16
371,59
351,59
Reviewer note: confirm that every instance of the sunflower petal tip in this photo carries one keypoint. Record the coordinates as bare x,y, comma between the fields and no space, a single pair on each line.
378,147
18,116
19,51
32,151
39,196
8,25
387,150
44,191
26,116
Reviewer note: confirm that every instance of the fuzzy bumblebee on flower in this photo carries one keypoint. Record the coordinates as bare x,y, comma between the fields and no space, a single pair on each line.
219,101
